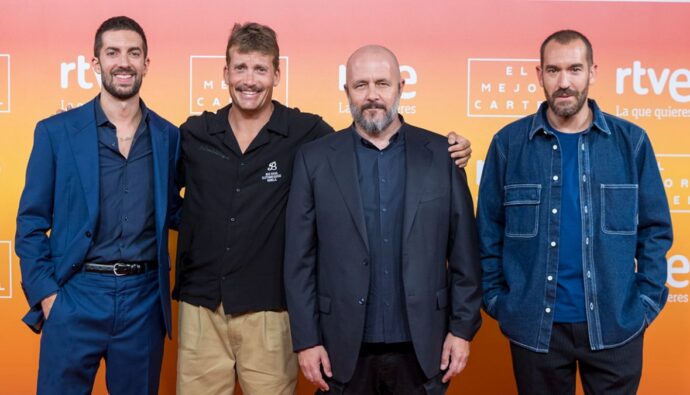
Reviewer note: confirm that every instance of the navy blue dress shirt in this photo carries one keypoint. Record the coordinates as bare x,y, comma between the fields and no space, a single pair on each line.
381,175
126,231
570,291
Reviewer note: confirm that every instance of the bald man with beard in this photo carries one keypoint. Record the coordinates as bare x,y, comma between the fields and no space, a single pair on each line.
381,265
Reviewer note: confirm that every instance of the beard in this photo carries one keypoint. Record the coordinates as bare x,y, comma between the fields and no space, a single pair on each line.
119,92
567,110
377,124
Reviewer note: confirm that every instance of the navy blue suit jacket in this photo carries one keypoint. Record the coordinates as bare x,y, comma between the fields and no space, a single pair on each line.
58,210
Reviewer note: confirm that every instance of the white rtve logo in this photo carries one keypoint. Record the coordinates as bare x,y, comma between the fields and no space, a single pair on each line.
408,73
643,78
79,67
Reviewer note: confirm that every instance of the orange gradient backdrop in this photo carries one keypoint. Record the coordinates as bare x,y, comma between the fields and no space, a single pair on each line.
453,53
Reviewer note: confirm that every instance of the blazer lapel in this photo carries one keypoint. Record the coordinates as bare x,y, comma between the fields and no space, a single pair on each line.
418,158
83,138
160,146
344,166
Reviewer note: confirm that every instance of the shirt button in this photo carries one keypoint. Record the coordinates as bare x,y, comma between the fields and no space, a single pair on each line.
232,219
587,240
365,262
584,178
385,240
555,210
548,310
243,163
555,147
360,301
550,278
237,189
384,209
227,248
383,180
87,234
555,178
591,306
553,244
589,274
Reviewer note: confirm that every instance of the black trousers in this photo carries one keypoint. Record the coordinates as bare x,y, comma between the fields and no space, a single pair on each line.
611,371
384,369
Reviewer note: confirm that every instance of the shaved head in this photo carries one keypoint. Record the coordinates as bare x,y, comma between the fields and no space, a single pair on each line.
378,52
373,88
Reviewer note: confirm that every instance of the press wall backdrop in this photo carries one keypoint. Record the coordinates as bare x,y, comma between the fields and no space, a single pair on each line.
469,67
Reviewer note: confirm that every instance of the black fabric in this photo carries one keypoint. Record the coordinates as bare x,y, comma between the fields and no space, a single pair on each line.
614,371
388,369
232,233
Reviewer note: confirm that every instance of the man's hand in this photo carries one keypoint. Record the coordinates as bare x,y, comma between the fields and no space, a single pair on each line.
47,304
311,360
456,351
459,149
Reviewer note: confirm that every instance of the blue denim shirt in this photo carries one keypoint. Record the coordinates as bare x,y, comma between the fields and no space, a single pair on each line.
626,230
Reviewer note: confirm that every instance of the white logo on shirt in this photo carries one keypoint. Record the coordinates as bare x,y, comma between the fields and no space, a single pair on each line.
272,174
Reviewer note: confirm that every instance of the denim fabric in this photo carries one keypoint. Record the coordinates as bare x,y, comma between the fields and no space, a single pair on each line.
626,230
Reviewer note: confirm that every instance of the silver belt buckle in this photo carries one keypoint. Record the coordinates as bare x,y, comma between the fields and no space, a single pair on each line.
120,265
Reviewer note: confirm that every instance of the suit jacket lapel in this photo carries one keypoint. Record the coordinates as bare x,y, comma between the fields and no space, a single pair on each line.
344,166
83,138
160,147
418,159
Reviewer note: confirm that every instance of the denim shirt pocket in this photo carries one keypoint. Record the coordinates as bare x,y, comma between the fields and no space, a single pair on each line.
522,209
619,209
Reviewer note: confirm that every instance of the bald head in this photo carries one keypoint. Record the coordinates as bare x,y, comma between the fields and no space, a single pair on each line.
373,88
371,55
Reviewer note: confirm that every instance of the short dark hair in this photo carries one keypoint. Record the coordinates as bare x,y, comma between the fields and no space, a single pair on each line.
118,23
565,37
252,37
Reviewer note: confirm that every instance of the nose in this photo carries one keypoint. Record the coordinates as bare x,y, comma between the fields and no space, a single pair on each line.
123,60
372,93
563,80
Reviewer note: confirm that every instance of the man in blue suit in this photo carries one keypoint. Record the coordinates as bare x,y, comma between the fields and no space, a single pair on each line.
92,229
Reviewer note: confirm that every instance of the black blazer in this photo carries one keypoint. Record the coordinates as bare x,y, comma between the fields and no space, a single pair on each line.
326,270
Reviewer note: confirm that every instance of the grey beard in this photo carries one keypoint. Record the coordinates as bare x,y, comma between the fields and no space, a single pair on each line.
375,126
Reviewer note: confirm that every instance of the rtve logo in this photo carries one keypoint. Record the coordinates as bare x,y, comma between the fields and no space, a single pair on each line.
674,82
4,83
409,74
77,71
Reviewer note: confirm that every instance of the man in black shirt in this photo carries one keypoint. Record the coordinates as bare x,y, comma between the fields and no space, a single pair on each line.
236,170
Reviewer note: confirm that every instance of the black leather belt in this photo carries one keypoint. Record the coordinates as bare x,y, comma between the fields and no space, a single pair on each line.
120,268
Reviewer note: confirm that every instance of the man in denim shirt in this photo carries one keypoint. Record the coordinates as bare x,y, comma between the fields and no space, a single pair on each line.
574,227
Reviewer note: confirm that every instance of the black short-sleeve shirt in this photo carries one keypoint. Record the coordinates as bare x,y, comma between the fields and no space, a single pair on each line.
232,234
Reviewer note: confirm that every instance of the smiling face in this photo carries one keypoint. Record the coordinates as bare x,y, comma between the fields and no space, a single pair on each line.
565,75
251,78
121,63
373,89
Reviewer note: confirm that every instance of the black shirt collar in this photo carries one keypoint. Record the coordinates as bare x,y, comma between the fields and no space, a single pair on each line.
278,123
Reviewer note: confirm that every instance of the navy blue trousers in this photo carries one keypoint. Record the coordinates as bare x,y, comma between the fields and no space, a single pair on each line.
100,316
